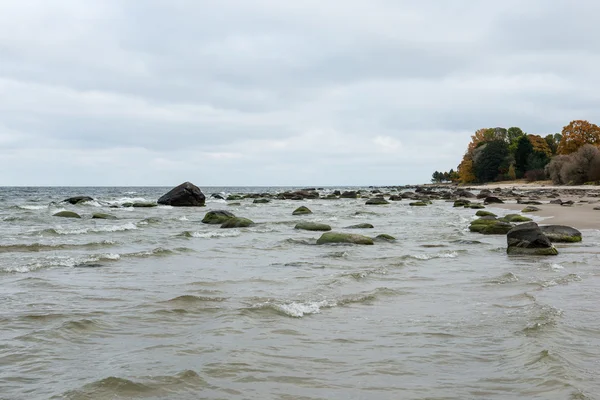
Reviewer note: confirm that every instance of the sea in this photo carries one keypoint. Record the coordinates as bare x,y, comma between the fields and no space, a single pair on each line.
157,305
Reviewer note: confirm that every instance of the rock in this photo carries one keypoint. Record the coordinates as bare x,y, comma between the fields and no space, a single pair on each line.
492,200
475,206
490,226
302,210
360,226
349,195
312,226
556,201
418,204
528,239
234,204
143,205
482,213
237,222
78,199
261,201
462,202
184,195
336,237
217,217
515,218
530,202
395,197
484,193
561,233
377,201
234,197
217,196
103,216
567,203
385,237
67,214
530,209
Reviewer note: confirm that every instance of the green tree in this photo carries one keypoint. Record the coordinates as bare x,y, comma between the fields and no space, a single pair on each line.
491,161
522,152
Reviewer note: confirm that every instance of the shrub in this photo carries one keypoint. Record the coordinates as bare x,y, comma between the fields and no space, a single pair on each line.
535,175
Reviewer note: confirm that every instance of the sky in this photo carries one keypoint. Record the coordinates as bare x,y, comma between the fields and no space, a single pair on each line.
281,93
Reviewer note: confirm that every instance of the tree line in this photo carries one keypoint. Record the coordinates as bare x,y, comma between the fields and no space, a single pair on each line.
497,154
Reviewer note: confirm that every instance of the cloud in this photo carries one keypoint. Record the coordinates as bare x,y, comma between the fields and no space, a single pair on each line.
265,92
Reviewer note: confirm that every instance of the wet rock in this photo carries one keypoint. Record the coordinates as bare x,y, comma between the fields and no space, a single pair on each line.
377,201
234,197
482,213
67,214
350,194
336,237
528,239
312,226
360,226
385,237
217,217
561,233
261,201
302,211
492,200
489,225
515,218
217,196
103,216
184,195
556,201
531,209
78,199
237,222
418,204
461,202
475,206
143,205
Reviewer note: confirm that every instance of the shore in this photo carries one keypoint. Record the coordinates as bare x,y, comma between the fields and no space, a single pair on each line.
579,215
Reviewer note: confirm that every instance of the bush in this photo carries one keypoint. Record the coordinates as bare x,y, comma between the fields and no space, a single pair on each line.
576,168
535,175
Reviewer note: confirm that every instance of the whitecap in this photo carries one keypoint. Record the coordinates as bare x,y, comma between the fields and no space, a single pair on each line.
217,234
298,310
32,207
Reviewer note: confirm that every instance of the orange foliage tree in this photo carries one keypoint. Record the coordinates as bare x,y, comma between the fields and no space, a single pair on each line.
466,173
576,134
540,145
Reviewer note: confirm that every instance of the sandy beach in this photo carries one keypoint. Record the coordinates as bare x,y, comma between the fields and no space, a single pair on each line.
579,215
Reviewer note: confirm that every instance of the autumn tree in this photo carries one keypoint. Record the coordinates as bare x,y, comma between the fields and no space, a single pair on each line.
576,134
466,174
552,141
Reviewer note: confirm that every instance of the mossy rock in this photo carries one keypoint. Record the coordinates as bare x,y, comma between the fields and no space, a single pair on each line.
499,228
561,233
331,197
261,201
67,214
385,237
217,217
237,222
461,203
103,216
312,226
377,201
418,204
482,213
302,211
234,204
530,209
144,205
336,237
515,218
234,197
536,251
360,226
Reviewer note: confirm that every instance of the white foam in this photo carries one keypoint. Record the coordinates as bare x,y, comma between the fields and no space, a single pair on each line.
217,234
32,207
298,310
110,228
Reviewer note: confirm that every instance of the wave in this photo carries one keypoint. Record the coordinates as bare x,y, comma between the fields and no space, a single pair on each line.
37,247
508,277
170,386
50,262
192,299
563,280
432,256
31,207
81,231
211,234
544,317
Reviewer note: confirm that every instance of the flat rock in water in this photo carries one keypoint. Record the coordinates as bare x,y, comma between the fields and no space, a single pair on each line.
336,237
103,216
237,222
377,201
312,226
531,209
217,217
184,195
482,213
561,233
360,226
385,237
528,239
261,201
67,214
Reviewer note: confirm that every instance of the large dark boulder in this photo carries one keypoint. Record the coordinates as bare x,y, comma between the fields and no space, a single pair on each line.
78,199
237,222
528,239
561,233
184,195
492,200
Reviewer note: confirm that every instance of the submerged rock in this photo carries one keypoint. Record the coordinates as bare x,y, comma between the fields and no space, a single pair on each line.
67,214
418,204
237,222
349,195
528,239
78,199
103,216
312,226
385,237
482,213
360,226
143,205
217,217
302,210
561,233
336,237
261,201
377,201
184,195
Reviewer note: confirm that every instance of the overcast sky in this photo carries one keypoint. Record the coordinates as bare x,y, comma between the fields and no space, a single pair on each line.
281,92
